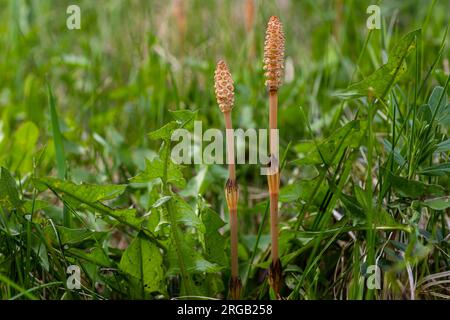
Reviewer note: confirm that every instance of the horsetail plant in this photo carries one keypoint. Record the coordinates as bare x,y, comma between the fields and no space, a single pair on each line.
273,66
224,89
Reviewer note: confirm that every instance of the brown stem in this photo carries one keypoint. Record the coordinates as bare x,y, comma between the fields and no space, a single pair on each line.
273,109
274,186
230,146
274,224
273,180
234,243
232,198
232,194
235,288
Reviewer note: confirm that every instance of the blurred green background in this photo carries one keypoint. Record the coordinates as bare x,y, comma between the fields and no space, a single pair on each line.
132,61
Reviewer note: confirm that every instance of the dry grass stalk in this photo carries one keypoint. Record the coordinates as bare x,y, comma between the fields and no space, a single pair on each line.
339,12
249,21
179,12
249,15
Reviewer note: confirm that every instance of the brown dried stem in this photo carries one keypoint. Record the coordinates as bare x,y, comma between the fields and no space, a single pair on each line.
274,65
223,84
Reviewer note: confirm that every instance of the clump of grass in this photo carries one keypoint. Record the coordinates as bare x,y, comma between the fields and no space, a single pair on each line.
224,89
273,66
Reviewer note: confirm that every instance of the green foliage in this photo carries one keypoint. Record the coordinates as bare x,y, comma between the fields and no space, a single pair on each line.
213,241
387,75
415,189
436,170
91,196
9,195
143,260
438,203
85,193
155,169
24,144
332,148
57,136
83,182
